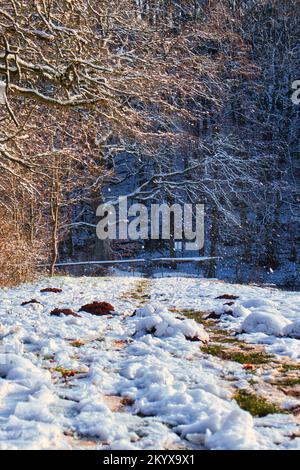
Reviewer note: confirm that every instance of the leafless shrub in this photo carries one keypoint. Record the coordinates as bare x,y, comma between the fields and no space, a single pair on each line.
20,256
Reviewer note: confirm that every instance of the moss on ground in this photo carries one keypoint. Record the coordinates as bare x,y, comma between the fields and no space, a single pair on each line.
198,316
254,404
252,382
139,293
289,382
229,340
237,356
290,367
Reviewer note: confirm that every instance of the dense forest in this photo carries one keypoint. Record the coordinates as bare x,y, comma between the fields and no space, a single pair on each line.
160,100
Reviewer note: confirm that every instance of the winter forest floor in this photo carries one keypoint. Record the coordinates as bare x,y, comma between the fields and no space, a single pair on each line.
173,367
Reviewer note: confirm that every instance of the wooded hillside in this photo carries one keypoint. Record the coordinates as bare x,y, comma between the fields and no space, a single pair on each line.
175,101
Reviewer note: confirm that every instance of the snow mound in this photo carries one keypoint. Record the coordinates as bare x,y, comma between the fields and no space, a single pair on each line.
97,420
264,322
236,433
259,303
240,311
3,331
218,429
36,407
292,330
13,367
161,323
149,375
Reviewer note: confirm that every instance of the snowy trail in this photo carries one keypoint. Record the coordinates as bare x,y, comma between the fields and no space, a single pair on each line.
147,380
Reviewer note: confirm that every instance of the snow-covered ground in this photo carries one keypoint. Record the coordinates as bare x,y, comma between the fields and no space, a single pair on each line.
141,378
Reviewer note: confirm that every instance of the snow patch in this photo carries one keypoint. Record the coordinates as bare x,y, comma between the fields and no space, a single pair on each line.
292,330
161,323
13,367
264,322
236,433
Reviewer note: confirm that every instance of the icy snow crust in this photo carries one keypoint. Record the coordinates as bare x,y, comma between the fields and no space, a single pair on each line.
176,397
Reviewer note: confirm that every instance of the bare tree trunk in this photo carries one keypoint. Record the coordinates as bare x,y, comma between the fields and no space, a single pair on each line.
214,238
54,239
102,250
172,250
54,207
246,233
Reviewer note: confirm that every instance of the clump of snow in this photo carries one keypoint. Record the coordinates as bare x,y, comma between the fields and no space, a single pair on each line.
219,430
149,375
96,419
292,330
13,367
236,433
26,393
196,431
161,323
18,434
259,303
3,331
122,444
264,322
36,409
240,311
36,307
